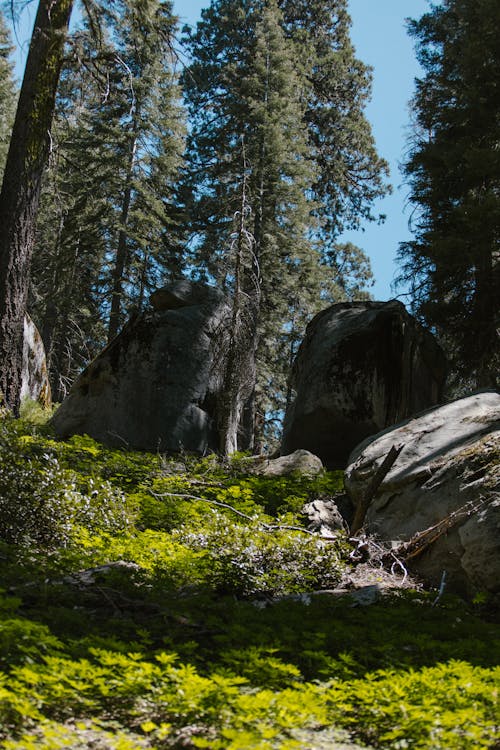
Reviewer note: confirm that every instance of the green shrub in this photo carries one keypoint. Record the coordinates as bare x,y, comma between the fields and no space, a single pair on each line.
248,559
42,503
449,706
34,413
23,641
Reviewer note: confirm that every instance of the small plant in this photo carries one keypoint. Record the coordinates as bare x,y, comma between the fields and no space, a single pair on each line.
34,412
42,503
250,559
162,606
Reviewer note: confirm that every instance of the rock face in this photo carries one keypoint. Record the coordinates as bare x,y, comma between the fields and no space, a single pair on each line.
155,385
34,376
324,516
450,459
361,367
300,461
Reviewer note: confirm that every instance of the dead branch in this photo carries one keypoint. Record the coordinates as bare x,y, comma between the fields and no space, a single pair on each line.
441,589
420,541
369,493
383,556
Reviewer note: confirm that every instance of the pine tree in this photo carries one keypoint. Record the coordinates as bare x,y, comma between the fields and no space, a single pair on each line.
453,170
65,292
148,121
349,174
27,157
244,93
108,206
7,92
250,85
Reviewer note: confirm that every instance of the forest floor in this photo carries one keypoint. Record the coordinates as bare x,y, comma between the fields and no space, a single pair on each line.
154,602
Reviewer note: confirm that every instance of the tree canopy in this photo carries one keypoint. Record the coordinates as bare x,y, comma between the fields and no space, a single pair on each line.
453,171
279,160
7,91
107,207
272,91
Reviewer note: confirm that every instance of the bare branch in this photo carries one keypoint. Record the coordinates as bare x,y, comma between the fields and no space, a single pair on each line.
264,526
373,486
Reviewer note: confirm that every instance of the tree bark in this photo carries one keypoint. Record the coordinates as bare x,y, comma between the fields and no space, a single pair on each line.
122,249
239,376
28,155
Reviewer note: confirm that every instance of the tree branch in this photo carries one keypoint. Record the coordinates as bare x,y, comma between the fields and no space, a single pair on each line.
373,486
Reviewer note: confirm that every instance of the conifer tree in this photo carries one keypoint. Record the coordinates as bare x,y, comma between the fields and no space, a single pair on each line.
65,291
108,206
453,171
243,92
21,184
252,82
350,175
148,124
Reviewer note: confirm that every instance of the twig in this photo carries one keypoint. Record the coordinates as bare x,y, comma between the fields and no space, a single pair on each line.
217,503
423,539
398,562
264,526
386,556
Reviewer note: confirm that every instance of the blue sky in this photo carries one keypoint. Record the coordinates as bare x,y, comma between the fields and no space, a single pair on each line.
380,38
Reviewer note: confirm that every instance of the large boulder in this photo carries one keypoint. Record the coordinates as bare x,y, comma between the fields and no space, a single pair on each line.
298,462
155,386
447,476
34,376
361,367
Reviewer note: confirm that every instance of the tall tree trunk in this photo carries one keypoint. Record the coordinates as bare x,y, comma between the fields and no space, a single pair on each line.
121,250
254,410
19,198
235,375
56,323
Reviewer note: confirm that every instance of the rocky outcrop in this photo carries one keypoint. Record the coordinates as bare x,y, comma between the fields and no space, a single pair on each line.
34,376
324,516
446,478
298,462
361,367
155,386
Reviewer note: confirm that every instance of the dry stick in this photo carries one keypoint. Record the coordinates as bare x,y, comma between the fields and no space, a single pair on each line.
387,556
159,496
423,539
373,486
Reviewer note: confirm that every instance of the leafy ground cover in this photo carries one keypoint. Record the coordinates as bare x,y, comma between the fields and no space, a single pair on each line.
160,603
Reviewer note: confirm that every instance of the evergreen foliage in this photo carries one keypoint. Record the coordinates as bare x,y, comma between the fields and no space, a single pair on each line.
105,231
248,136
453,171
27,158
165,620
349,173
256,108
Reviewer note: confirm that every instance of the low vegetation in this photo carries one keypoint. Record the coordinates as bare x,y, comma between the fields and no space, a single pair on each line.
151,602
